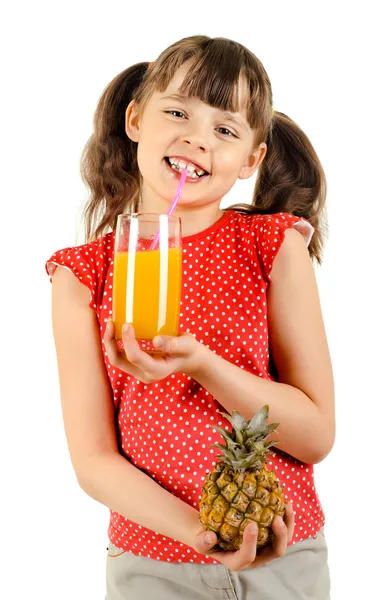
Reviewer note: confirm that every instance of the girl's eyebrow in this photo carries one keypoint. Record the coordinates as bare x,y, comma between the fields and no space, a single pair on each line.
225,114
175,97
235,119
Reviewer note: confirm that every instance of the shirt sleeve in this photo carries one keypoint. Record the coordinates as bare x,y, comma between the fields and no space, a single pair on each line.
272,229
80,260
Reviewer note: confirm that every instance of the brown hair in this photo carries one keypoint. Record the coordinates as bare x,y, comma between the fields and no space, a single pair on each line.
290,178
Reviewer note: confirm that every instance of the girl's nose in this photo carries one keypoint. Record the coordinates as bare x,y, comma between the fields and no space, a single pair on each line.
200,145
196,139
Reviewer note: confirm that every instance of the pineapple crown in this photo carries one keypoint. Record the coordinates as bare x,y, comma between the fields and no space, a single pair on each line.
246,447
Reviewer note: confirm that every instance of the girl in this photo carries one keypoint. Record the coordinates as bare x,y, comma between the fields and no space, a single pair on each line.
139,428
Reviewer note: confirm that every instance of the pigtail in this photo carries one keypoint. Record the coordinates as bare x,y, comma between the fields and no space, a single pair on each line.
291,179
109,162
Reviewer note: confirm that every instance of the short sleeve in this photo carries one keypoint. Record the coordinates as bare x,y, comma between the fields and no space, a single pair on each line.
272,229
80,260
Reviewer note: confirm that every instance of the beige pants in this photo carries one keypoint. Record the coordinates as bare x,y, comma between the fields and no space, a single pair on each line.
301,574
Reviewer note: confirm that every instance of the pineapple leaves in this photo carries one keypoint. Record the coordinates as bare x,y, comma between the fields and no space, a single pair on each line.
257,426
226,435
230,443
269,445
231,456
272,443
237,420
246,446
258,422
260,434
238,423
239,436
272,427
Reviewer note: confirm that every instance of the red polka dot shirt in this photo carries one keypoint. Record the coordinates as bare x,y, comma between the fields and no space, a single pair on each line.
166,428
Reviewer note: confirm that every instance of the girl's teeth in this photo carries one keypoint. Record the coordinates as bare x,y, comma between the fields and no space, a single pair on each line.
179,165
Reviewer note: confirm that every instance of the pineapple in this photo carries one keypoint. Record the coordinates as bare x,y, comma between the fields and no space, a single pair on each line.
241,489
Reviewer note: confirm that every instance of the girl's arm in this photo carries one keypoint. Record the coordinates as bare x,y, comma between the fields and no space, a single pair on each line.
303,401
88,414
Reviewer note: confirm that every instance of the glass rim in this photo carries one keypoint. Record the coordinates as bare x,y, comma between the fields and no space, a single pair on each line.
130,216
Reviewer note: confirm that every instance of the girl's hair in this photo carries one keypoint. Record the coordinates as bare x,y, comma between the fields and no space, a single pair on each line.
290,178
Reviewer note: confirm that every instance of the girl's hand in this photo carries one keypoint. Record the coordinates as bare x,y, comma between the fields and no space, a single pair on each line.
182,354
246,557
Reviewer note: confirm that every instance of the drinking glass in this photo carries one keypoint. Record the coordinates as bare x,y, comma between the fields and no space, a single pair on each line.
147,276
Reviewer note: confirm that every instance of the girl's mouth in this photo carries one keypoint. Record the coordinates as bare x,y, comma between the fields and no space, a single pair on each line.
176,165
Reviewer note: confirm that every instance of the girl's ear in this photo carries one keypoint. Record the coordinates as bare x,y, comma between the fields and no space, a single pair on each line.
132,118
253,161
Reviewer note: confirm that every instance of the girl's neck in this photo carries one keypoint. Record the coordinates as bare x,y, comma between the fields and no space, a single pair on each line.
194,218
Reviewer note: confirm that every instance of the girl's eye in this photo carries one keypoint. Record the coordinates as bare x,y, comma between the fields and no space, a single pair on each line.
226,131
176,113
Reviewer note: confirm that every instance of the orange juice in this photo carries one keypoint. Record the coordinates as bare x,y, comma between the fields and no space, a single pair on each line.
148,293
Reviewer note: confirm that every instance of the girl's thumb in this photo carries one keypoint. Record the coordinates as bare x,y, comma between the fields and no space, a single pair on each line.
206,541
182,344
166,343
210,539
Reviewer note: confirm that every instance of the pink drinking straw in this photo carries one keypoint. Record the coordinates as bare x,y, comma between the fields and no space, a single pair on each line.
173,204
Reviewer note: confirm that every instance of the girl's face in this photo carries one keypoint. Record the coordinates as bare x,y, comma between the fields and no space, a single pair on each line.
174,131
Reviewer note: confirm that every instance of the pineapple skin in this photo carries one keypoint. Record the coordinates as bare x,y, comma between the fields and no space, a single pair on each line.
231,500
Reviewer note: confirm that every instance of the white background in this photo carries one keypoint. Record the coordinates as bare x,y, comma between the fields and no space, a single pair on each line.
325,62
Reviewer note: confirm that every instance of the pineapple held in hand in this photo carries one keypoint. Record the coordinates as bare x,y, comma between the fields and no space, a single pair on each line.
241,490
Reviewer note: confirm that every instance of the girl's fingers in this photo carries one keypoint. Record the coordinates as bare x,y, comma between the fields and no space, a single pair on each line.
283,532
135,355
115,357
134,361
234,561
247,553
110,343
166,343
289,519
247,557
280,540
109,334
205,540
182,344
131,347
278,547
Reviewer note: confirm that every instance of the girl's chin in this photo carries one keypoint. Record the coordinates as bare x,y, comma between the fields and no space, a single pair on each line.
191,203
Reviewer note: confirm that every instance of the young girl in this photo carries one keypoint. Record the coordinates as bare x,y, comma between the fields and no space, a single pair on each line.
139,428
